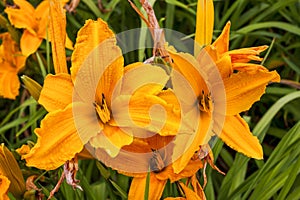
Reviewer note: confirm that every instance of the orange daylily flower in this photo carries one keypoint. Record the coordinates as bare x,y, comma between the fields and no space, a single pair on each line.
244,83
33,21
161,171
11,62
85,111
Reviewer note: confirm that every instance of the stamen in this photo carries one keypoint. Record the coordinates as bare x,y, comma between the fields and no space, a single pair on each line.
205,102
102,110
156,162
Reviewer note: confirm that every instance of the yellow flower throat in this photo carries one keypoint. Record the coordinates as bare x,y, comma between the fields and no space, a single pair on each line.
102,110
205,102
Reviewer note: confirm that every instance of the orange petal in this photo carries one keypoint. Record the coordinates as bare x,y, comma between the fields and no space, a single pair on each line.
57,30
143,78
58,141
236,134
97,62
89,37
24,149
225,66
29,43
191,168
204,24
9,84
42,16
69,43
223,62
243,89
57,92
112,74
186,144
23,16
9,49
244,55
189,193
155,113
112,139
197,187
4,185
137,188
222,42
249,67
189,67
149,112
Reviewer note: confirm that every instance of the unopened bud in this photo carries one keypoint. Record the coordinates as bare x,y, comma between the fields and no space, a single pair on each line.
32,86
10,169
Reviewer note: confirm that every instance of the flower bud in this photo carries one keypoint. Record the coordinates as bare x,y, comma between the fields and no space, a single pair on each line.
10,169
32,86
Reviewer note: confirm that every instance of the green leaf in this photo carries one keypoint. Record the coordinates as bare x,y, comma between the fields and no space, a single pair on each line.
32,119
147,186
267,25
103,171
119,189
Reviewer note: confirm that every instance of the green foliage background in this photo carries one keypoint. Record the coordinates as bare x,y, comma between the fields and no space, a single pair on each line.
275,119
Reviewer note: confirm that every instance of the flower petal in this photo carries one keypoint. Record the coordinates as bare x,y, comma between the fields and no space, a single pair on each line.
243,89
58,141
244,55
4,185
222,42
9,84
191,168
57,92
186,144
89,37
204,24
23,16
225,66
98,65
24,149
155,114
189,193
197,187
138,184
29,43
112,139
112,74
147,111
11,54
141,103
236,134
140,77
189,67
57,30
41,14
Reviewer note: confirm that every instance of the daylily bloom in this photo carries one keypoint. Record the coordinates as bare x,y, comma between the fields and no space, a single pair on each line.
244,83
160,172
11,62
85,111
33,21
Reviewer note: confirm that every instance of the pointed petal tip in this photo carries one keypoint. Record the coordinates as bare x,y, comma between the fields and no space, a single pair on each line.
236,134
